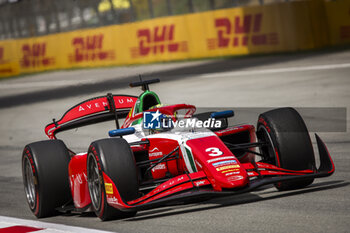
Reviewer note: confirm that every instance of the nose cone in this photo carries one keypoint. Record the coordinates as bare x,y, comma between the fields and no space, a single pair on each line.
218,162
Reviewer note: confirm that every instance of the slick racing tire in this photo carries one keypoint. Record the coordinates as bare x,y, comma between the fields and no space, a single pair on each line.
112,156
45,176
289,146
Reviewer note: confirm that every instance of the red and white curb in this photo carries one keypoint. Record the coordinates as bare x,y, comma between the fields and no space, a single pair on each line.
17,225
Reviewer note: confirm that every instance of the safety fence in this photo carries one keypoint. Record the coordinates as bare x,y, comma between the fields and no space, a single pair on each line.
30,18
278,27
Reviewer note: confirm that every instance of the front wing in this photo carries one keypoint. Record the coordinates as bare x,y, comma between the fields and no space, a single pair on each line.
193,186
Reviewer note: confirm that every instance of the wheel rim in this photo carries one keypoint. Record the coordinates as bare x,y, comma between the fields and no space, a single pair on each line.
94,182
29,185
269,150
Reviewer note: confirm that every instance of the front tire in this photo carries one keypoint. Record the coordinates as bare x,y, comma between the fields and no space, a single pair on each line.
45,176
114,157
289,146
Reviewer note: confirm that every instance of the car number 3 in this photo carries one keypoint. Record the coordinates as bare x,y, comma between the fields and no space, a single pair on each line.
214,151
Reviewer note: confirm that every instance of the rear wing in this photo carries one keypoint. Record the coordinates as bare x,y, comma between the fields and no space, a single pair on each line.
92,111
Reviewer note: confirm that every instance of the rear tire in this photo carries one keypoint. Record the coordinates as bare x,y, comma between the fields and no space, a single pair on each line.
114,157
290,144
45,176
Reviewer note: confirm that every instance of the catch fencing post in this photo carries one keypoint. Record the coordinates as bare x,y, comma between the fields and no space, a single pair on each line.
168,4
190,6
150,8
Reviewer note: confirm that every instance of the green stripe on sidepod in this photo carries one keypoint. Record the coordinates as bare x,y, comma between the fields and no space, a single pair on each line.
190,158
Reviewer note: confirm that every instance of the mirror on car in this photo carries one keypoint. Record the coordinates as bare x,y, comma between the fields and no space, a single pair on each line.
121,132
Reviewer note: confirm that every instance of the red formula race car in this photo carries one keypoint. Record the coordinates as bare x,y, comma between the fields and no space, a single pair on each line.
165,154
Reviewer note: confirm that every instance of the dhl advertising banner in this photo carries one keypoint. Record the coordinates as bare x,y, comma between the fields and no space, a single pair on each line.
236,31
8,63
89,48
162,39
38,54
338,14
287,26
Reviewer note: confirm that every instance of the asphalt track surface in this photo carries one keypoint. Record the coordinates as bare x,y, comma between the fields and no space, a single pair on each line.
310,79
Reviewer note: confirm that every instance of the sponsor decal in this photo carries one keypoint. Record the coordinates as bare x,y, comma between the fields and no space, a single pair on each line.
273,172
234,178
180,178
241,31
34,55
112,200
157,40
109,188
251,174
224,163
199,183
155,148
104,104
92,106
214,151
231,173
122,100
227,167
230,170
77,178
160,166
90,48
155,152
220,158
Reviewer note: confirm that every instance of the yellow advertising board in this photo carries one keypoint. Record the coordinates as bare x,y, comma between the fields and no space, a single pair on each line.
89,48
287,26
338,14
161,39
235,31
38,53
8,63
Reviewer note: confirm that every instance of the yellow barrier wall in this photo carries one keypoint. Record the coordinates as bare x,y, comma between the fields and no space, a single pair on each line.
270,28
8,62
338,14
89,48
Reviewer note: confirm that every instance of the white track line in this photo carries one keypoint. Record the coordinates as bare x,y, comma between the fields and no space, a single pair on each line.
275,70
48,227
205,76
